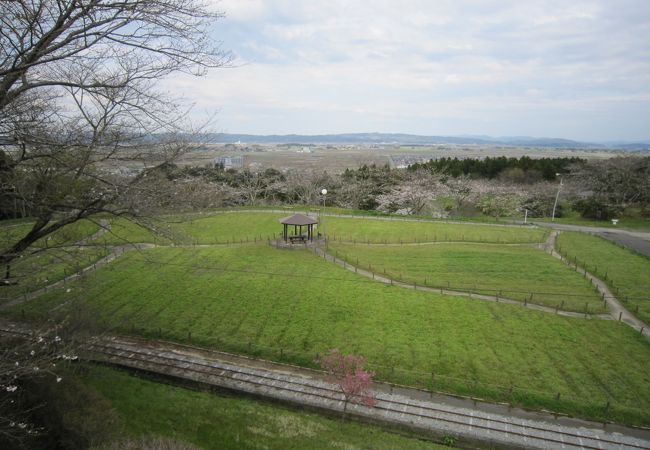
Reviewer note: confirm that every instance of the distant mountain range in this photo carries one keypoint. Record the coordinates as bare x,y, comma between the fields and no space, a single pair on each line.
413,139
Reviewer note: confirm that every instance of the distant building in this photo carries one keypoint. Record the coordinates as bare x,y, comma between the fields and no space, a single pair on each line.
229,162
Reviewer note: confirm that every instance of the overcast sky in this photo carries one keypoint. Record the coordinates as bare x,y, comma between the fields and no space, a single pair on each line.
573,69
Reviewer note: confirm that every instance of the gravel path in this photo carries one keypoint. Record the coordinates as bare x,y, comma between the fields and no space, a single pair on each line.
638,241
616,309
489,298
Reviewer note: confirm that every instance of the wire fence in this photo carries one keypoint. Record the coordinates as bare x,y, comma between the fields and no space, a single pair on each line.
592,303
432,239
601,273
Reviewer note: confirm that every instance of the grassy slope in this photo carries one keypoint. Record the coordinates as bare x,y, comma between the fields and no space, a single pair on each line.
229,227
470,345
46,266
123,231
67,235
36,271
349,229
214,421
628,273
516,271
226,227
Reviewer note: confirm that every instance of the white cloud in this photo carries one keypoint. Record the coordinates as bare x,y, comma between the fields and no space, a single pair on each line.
473,66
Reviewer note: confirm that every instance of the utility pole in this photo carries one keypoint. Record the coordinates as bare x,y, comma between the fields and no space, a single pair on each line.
556,197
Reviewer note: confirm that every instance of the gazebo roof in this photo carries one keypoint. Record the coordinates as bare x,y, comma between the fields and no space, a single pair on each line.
298,219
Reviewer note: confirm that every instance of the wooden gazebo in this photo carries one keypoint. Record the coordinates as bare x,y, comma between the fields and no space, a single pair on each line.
298,221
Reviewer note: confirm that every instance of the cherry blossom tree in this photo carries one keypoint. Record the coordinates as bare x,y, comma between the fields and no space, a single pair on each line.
348,373
29,355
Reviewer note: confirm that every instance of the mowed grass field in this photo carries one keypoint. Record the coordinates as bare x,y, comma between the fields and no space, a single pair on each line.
291,305
50,259
395,231
520,273
626,272
216,421
236,226
68,235
229,227
44,268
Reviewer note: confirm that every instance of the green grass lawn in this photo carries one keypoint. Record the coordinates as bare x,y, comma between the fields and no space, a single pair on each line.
218,421
229,227
67,235
512,272
271,302
626,272
378,231
124,231
238,226
195,229
41,269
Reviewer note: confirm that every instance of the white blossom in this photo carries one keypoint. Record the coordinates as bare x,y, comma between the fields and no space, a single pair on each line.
12,388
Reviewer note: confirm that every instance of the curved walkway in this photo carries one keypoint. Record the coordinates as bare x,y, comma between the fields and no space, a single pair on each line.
115,252
489,298
104,227
617,310
638,241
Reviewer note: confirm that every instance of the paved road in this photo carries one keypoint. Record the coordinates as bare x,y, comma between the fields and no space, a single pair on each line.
636,240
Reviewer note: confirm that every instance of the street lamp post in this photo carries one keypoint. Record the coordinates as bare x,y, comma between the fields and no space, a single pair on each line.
556,197
324,192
